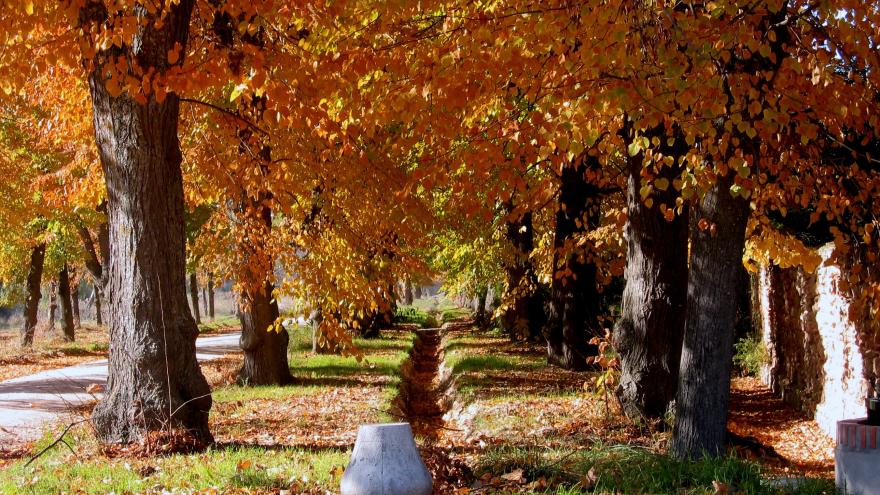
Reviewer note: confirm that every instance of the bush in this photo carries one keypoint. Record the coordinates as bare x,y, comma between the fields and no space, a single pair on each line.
750,355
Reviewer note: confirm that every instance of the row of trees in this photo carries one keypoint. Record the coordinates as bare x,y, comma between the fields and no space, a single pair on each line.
546,147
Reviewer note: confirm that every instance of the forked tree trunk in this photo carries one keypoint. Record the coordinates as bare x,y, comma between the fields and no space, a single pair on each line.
706,360
155,382
52,310
32,303
74,300
523,314
572,319
211,295
649,333
67,329
194,295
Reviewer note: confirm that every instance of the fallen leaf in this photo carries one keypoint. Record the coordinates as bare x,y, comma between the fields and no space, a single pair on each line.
516,476
720,488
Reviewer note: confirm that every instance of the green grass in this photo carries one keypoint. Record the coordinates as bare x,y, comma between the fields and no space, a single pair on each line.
218,323
220,467
452,314
625,469
411,314
462,363
224,467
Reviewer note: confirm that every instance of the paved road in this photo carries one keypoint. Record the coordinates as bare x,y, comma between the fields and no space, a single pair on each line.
29,403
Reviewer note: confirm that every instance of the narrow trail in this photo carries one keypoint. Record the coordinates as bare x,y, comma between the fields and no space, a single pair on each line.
423,395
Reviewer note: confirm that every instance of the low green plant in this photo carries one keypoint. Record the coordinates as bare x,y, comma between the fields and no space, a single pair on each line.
750,355
627,469
411,314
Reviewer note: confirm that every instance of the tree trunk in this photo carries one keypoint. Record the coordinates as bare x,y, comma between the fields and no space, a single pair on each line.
32,303
205,300
66,304
74,300
99,320
155,383
407,291
265,350
706,360
211,295
649,333
574,300
417,292
523,314
53,306
194,295
480,318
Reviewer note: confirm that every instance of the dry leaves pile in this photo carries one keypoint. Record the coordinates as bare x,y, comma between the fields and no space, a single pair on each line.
756,412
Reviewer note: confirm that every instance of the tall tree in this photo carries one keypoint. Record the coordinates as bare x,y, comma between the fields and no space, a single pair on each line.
67,327
263,340
74,300
523,310
32,303
154,379
52,307
194,296
707,356
649,333
210,287
573,300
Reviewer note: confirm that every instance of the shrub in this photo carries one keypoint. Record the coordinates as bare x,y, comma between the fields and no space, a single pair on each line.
750,355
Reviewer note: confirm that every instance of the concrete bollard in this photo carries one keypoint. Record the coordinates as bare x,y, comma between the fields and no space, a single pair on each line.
385,461
857,457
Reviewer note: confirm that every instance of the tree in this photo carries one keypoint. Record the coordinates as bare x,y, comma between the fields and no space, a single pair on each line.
573,299
648,335
32,303
263,338
522,309
154,378
64,295
194,295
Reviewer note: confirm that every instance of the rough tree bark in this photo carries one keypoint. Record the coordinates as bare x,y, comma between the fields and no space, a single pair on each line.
706,360
67,328
155,382
32,303
74,300
194,295
649,333
573,299
523,315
